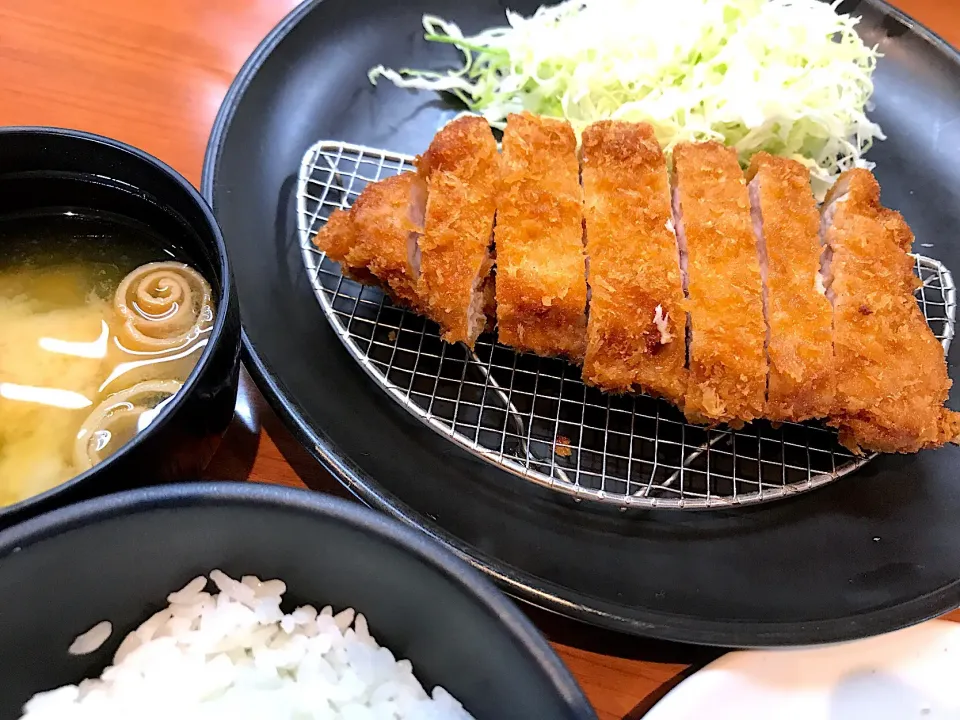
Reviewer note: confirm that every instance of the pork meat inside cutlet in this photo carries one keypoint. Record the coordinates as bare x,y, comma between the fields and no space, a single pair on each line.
728,365
541,286
635,328
375,242
800,381
461,169
892,378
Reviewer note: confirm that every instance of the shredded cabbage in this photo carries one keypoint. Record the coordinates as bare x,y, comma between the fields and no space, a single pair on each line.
791,77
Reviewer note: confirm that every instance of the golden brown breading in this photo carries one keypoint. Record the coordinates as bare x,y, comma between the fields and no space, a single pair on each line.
801,381
728,366
891,375
372,241
462,171
636,322
336,238
541,283
386,216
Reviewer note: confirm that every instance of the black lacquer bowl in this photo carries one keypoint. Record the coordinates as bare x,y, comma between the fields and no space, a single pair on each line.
116,558
876,550
49,169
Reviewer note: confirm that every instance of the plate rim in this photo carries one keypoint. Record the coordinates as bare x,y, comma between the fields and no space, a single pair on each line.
518,584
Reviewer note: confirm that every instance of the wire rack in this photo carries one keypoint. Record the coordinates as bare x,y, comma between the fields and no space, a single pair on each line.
533,416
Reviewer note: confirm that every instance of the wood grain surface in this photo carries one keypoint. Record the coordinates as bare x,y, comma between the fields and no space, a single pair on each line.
153,74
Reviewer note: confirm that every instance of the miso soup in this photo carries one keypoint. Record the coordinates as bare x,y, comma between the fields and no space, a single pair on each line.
101,322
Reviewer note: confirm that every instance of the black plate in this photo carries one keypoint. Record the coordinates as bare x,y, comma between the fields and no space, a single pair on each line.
873,552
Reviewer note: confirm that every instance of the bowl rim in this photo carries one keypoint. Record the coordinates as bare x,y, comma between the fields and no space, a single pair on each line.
226,299
322,507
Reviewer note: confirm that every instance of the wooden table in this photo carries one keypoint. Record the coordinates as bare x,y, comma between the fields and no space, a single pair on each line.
153,74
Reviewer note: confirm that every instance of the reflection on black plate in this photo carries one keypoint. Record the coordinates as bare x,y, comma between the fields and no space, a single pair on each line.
875,551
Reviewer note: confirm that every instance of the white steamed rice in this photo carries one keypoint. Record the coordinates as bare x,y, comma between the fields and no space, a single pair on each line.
235,655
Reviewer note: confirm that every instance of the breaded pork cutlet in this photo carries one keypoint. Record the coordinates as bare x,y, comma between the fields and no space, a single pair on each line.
728,365
891,374
340,240
375,242
461,169
801,381
635,328
541,284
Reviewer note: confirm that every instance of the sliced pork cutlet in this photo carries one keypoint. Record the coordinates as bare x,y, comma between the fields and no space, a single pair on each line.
636,321
892,378
461,169
801,381
541,286
375,242
339,239
728,365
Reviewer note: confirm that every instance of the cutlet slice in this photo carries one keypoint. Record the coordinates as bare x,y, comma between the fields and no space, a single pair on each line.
541,286
635,327
461,169
375,242
728,365
339,239
801,382
891,374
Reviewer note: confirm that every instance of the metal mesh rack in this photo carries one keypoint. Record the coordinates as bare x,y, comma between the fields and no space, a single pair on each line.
534,416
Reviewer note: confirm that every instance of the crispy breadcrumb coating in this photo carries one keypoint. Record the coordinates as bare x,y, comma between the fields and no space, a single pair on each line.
461,169
728,366
801,381
635,328
541,286
372,240
891,374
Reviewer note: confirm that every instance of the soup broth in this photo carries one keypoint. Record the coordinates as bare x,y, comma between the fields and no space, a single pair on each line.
101,322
